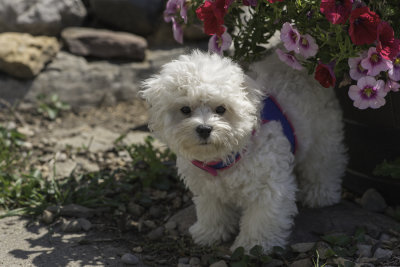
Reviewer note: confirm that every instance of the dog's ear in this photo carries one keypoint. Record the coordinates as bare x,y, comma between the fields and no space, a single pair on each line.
151,92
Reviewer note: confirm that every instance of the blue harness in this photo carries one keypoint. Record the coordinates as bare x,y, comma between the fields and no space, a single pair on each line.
270,112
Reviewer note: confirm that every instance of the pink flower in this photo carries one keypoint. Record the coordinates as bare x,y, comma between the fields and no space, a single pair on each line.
218,44
274,1
177,31
289,59
170,14
394,72
307,46
336,12
171,9
290,37
368,93
387,46
375,63
356,70
391,86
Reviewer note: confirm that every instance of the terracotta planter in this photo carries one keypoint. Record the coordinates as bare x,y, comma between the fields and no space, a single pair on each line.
371,137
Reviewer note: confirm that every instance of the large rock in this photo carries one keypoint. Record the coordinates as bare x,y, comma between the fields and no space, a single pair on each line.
40,17
85,84
104,43
24,56
310,224
136,16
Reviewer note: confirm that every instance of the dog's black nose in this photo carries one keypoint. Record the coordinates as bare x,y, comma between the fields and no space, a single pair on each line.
204,131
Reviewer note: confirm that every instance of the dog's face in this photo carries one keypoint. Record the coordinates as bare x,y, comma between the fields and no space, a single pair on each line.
202,107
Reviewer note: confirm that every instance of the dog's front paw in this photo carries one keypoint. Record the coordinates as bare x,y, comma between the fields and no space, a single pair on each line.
206,236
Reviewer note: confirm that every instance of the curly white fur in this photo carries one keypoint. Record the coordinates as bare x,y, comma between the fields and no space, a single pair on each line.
257,194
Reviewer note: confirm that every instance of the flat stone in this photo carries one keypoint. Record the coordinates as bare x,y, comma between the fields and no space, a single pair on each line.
136,16
72,210
40,17
23,55
83,84
104,43
274,263
372,200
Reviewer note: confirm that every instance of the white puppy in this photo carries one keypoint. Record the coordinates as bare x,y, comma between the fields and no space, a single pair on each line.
239,151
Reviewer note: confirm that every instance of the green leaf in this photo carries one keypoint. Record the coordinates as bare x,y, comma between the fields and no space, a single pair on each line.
237,254
256,251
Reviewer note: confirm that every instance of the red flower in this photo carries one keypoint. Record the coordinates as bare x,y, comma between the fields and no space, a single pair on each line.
363,26
337,12
273,1
388,46
324,74
212,13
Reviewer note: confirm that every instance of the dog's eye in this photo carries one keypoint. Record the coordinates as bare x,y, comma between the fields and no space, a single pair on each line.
186,110
220,110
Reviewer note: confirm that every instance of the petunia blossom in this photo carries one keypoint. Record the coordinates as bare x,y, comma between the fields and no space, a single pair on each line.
368,93
218,44
307,46
250,2
387,46
394,72
325,75
274,1
290,37
374,63
289,59
212,14
172,7
177,31
356,70
336,12
363,26
170,14
391,86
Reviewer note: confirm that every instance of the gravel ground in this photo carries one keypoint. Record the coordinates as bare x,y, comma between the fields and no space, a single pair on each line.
154,233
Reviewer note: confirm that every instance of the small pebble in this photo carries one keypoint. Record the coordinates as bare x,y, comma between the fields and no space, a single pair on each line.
381,253
155,212
47,217
372,200
85,224
364,250
130,259
302,247
135,209
170,225
156,233
194,261
301,263
150,224
274,263
183,260
220,263
138,249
